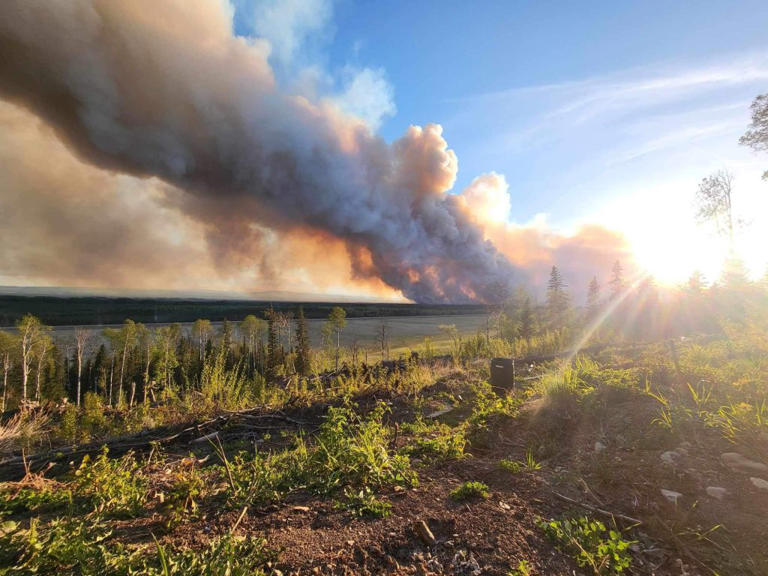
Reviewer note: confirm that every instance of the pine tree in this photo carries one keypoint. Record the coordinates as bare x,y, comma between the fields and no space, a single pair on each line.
303,360
593,298
272,344
617,280
557,297
527,320
696,282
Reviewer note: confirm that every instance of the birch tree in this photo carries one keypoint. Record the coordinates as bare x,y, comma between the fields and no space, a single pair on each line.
201,332
7,346
82,337
41,347
29,328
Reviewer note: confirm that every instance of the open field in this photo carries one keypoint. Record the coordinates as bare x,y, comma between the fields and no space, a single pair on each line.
403,331
91,310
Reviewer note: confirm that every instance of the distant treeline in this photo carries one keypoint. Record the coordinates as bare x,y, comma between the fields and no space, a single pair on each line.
90,310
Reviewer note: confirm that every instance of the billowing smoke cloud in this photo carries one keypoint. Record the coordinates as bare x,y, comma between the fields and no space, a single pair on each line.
165,90
67,223
535,248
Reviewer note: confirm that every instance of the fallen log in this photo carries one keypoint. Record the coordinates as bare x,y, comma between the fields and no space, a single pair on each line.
13,467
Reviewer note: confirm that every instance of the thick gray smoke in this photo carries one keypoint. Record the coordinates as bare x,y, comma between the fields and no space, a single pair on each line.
164,89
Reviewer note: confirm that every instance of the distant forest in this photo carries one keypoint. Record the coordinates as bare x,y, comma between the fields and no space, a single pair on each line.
91,310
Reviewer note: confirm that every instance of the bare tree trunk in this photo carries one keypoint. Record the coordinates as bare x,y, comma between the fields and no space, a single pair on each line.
6,368
111,376
79,372
26,352
40,360
146,375
122,370
133,393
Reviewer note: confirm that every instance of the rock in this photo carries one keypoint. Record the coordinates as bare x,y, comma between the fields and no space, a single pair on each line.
716,492
599,447
671,495
424,533
759,483
438,413
301,508
669,457
739,463
504,506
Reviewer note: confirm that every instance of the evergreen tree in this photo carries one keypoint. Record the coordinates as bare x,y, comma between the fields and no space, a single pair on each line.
337,320
273,344
617,280
303,360
696,282
593,298
557,297
527,319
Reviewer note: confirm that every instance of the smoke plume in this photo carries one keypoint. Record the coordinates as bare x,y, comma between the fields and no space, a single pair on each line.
165,90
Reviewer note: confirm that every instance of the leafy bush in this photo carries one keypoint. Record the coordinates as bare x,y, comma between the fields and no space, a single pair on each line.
185,491
114,486
434,441
348,452
470,490
604,551
227,556
365,504
354,451
29,499
65,545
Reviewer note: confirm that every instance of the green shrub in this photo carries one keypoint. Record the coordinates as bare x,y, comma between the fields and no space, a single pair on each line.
28,499
66,545
365,504
604,551
185,491
227,556
434,441
114,486
354,451
470,490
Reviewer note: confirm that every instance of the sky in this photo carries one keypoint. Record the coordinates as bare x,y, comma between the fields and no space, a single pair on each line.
572,134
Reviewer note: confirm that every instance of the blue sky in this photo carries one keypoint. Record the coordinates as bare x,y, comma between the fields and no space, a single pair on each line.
593,111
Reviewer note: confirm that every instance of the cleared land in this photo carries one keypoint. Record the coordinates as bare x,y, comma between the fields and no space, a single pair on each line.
615,464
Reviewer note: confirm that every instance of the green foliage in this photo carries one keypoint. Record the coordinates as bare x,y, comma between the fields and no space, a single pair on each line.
516,466
365,504
28,499
83,547
489,408
513,466
114,486
434,441
603,551
226,556
187,488
223,387
263,478
65,546
349,451
523,569
470,490
352,450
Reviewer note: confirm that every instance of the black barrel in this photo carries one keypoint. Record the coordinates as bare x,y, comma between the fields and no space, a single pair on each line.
503,373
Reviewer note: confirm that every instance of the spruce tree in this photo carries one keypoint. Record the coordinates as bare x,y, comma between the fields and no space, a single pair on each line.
593,298
527,319
557,298
617,280
303,360
272,344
